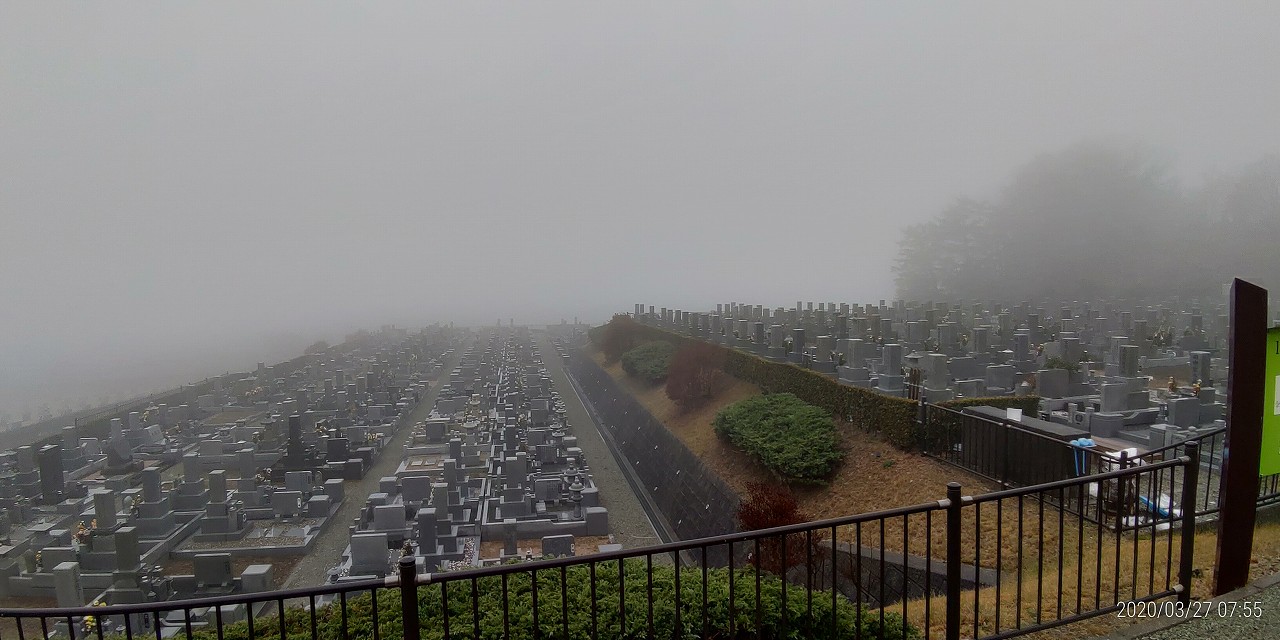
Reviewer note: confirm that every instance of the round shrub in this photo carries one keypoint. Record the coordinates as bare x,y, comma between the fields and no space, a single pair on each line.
792,437
648,362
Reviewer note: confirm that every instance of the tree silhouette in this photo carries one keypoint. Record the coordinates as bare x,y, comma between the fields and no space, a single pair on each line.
695,375
766,506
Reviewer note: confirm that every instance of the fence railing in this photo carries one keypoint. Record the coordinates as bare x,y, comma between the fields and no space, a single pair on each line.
1212,444
987,566
1014,456
1003,452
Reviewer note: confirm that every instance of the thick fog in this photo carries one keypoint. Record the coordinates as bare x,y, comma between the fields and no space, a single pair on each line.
187,189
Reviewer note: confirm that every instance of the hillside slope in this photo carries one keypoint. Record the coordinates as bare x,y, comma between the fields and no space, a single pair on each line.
875,475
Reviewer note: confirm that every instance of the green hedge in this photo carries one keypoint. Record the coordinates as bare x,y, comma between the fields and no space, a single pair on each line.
787,434
649,361
891,417
801,621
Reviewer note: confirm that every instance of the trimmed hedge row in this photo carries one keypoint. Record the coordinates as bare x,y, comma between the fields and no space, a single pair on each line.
891,417
806,618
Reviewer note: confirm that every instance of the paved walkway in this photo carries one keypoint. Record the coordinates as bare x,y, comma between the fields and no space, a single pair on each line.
312,569
627,519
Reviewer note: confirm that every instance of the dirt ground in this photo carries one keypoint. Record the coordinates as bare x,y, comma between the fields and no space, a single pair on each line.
582,546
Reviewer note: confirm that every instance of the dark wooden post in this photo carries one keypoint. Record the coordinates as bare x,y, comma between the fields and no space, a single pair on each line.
1241,453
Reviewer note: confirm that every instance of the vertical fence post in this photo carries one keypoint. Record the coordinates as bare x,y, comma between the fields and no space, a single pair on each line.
1190,478
1004,454
1121,507
953,561
409,598
922,417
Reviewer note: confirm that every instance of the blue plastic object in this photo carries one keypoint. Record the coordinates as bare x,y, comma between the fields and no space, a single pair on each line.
1151,506
1081,444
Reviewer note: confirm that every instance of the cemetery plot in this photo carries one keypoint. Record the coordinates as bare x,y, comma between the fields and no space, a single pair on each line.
491,466
170,502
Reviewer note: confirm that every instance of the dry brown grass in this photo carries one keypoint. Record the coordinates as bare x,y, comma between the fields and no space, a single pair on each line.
1089,582
31,627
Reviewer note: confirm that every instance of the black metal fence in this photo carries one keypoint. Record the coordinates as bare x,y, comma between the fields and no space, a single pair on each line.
1017,457
1212,444
1003,452
986,566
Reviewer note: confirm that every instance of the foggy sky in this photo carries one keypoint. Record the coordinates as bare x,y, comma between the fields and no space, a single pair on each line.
188,189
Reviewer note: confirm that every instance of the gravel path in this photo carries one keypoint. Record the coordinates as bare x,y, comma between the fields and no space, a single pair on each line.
312,569
627,519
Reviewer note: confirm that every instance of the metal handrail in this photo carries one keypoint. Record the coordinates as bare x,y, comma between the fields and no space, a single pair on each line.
209,601
1073,482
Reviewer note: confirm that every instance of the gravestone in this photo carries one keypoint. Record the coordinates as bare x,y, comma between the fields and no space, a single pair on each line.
934,366
1000,376
981,342
218,485
1201,368
388,517
52,480
212,570
509,532
1114,397
1128,360
1053,383
318,506
256,578
286,504
427,524
891,359
128,554
297,481
970,388
66,585
597,519
333,488
1184,412
416,488
557,546
797,345
104,509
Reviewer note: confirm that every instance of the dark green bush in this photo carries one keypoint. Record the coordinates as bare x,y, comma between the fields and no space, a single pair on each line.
649,361
790,436
801,621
